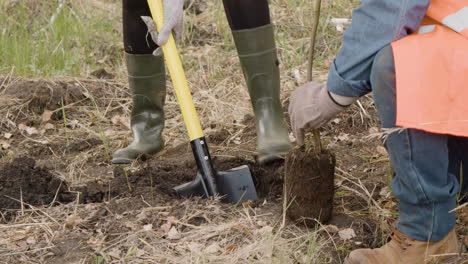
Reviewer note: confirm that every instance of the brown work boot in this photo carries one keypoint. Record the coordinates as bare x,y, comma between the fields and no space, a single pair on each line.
403,249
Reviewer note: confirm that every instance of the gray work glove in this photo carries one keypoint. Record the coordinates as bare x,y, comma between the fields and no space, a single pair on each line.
173,22
311,106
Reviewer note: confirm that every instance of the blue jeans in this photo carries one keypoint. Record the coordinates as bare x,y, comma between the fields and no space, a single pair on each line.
426,169
375,24
426,164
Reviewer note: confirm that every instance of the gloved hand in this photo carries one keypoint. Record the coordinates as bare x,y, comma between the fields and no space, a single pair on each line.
173,21
311,106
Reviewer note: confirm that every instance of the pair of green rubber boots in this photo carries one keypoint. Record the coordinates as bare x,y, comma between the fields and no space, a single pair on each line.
257,52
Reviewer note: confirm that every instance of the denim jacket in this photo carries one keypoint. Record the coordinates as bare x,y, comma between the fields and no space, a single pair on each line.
375,24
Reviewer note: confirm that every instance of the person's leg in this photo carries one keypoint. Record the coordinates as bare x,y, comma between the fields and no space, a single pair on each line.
146,77
135,33
423,185
254,38
458,165
247,14
425,189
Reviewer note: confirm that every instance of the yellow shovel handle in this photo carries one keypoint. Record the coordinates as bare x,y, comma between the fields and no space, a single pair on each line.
176,71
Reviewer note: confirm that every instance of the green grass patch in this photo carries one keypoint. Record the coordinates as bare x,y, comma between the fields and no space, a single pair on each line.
51,39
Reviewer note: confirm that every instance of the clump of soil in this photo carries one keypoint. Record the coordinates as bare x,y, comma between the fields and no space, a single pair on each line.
21,180
309,178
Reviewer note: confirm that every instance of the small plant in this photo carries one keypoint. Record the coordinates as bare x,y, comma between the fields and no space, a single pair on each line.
129,185
151,186
65,122
99,260
131,252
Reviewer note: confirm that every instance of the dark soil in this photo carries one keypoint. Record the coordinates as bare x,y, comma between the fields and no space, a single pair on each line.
309,183
22,180
156,180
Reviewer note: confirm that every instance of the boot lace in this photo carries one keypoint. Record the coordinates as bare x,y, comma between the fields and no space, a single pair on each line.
401,240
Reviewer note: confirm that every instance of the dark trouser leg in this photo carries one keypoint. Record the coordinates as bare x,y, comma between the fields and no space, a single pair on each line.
136,39
423,185
255,43
458,153
247,14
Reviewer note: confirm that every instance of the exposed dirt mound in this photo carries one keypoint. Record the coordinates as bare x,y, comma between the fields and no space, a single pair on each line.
21,180
310,185
41,95
33,97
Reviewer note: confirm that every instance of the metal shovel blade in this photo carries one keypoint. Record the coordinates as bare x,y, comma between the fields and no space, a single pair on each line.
235,186
194,188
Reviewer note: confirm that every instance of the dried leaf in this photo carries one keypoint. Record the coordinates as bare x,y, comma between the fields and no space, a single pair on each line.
212,249
4,145
115,253
347,234
172,220
132,226
49,126
72,124
173,234
166,227
29,130
31,240
46,115
110,133
195,247
8,135
343,137
332,229
264,230
143,215
230,248
72,221
148,227
121,121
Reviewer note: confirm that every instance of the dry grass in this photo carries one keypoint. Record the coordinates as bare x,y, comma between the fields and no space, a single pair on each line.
228,235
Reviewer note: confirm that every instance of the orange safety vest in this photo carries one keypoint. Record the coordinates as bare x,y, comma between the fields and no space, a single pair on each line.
431,69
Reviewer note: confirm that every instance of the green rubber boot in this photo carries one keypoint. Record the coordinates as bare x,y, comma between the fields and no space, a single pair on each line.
257,53
147,81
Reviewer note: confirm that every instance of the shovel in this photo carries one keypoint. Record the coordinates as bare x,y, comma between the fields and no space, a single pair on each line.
235,185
